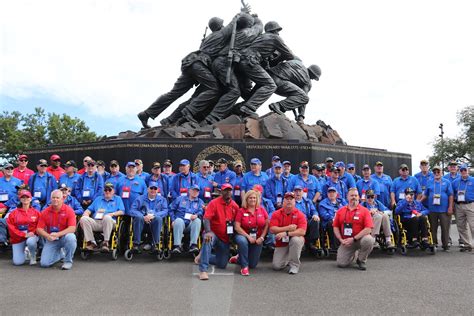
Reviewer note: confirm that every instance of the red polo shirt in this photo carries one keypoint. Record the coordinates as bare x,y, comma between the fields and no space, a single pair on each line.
19,221
218,213
56,172
63,219
248,220
360,218
281,219
23,175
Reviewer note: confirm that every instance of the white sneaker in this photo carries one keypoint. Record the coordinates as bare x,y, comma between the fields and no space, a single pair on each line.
67,266
27,254
32,261
293,270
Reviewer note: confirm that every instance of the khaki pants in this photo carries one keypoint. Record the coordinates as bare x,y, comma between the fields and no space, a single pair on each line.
346,254
289,255
381,219
90,225
465,218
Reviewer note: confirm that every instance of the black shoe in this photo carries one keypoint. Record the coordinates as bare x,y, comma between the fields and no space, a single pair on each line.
249,112
424,244
193,249
415,244
361,265
135,249
276,108
143,117
313,248
176,250
165,122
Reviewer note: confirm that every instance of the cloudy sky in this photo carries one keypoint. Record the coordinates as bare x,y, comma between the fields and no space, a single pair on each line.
391,70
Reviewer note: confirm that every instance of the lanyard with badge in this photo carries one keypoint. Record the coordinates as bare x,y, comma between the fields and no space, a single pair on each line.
3,196
436,196
229,223
192,204
125,192
286,238
22,228
237,190
348,228
253,230
86,193
461,193
207,193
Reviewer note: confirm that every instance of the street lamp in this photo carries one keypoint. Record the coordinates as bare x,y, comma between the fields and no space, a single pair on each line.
442,145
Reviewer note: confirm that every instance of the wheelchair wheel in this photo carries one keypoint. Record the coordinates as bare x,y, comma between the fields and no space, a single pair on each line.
166,254
160,255
432,250
403,250
391,251
326,252
84,255
115,254
128,255
319,253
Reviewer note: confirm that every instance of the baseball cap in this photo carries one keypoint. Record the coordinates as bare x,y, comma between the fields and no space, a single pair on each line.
42,162
320,167
329,159
138,162
153,184
278,165
409,191
340,164
423,162
195,187
238,163
8,165
334,169
167,162
63,186
222,161
109,185
366,166
91,162
275,158
286,162
226,186
289,195
255,161
304,163
70,163
23,193
297,187
436,168
350,165
403,166
463,167
369,193
156,165
114,162
258,188
54,157
379,163
100,163
332,189
184,162
23,156
452,163
131,164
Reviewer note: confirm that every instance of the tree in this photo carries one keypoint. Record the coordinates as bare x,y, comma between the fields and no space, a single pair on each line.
461,148
38,130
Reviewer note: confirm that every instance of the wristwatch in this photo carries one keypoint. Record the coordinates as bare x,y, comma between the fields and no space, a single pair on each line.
287,233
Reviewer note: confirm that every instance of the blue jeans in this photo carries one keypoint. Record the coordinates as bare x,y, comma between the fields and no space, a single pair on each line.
219,259
19,250
3,230
52,250
155,225
249,254
179,229
269,240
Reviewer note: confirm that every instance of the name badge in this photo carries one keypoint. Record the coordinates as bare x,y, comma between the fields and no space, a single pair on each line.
356,217
188,216
230,228
183,194
207,194
237,192
285,239
279,199
3,197
23,228
246,214
86,193
158,192
305,194
363,196
461,196
253,233
401,196
437,199
37,194
54,229
348,229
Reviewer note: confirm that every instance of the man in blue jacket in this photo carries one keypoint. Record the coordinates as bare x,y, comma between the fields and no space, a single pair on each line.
42,183
403,182
223,174
71,177
186,213
130,187
182,181
306,206
89,186
333,181
149,209
254,176
423,177
463,189
327,209
8,184
161,180
276,187
205,181
115,175
385,182
310,184
344,176
367,183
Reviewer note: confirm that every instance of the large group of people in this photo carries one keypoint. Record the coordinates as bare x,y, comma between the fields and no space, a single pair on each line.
276,209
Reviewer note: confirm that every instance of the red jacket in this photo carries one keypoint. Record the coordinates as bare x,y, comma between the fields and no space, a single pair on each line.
19,220
56,172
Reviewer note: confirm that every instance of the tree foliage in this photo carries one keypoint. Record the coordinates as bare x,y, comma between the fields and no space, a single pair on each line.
19,132
460,148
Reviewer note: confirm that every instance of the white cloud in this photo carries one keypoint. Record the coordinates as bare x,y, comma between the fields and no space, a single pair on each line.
392,71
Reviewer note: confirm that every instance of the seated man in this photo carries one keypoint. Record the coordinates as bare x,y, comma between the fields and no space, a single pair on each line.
413,217
289,226
57,225
352,227
306,206
101,216
149,208
380,217
327,210
185,216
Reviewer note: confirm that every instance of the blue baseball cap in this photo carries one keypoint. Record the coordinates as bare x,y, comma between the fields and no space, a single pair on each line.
278,165
255,161
332,189
275,158
153,184
184,162
340,164
286,162
131,164
195,187
463,167
297,187
350,165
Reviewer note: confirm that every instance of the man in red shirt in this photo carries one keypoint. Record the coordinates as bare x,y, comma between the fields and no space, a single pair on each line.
55,167
57,225
352,226
288,224
218,225
22,172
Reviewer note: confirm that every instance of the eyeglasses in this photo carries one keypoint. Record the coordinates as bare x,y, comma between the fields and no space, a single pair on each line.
22,160
113,166
436,171
206,167
24,197
351,168
153,188
107,189
9,168
411,194
370,197
90,165
304,167
404,169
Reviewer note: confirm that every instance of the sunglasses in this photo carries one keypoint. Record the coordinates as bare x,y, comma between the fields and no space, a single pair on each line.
404,169
289,198
24,197
22,160
108,190
370,197
351,168
57,160
9,168
153,188
410,194
113,166
436,171
43,166
90,165
304,167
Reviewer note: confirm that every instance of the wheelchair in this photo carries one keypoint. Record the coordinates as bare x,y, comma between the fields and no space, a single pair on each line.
325,241
116,240
402,240
184,242
381,240
148,244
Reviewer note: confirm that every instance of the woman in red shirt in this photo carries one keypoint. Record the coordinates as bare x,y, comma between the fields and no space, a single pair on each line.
251,226
22,223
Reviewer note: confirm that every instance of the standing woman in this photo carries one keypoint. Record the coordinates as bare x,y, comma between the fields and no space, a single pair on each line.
22,223
251,226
